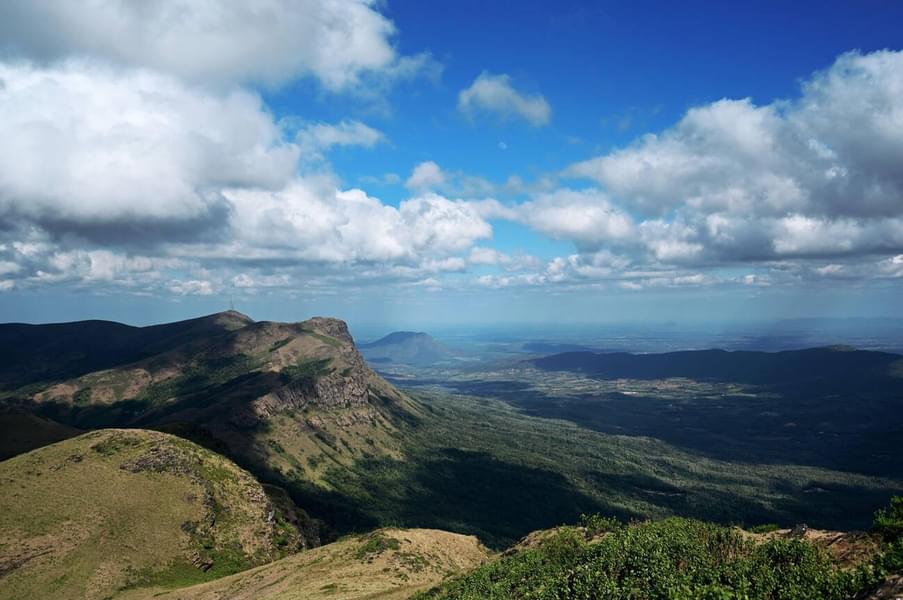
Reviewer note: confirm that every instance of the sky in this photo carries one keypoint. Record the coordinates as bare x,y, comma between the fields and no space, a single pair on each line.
413,163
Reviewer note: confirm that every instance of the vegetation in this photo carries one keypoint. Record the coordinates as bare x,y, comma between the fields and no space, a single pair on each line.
114,509
480,467
376,543
889,525
671,559
306,371
390,564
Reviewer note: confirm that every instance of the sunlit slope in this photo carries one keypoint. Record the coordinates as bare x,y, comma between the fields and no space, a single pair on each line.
285,398
389,563
110,509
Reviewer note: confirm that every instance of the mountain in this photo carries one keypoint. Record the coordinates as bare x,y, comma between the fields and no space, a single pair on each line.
112,509
830,363
23,431
406,347
385,564
36,353
288,401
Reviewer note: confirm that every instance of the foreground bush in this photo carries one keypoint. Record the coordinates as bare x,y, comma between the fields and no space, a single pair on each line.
671,559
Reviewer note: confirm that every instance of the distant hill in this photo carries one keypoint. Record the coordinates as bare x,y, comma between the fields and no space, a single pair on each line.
406,347
111,509
830,363
553,348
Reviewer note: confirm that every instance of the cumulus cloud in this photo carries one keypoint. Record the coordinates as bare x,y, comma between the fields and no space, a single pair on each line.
496,94
90,150
110,176
220,42
311,220
426,175
585,216
818,176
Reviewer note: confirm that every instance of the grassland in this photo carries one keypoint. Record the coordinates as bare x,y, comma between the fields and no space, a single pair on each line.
385,564
112,509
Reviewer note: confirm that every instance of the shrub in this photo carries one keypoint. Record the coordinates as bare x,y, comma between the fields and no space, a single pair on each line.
668,560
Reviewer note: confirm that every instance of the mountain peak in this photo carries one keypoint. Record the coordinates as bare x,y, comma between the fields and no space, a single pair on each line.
231,318
330,326
410,347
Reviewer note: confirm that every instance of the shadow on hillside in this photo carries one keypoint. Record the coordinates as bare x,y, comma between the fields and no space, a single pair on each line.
456,490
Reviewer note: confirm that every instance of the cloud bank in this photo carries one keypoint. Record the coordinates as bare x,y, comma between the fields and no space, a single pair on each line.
226,43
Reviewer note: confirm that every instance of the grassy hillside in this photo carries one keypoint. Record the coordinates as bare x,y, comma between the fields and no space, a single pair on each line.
385,564
670,559
113,509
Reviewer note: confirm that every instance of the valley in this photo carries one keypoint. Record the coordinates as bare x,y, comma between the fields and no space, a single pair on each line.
490,448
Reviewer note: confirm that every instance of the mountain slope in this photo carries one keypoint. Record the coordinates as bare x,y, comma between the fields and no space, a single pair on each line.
290,396
287,401
406,347
385,564
36,353
23,431
116,508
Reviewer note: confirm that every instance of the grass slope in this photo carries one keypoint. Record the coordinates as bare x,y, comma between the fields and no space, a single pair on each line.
95,514
385,564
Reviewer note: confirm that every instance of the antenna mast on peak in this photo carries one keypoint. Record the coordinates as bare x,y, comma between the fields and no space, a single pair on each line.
231,303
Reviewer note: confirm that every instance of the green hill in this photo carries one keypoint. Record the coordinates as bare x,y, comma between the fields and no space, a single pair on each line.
112,509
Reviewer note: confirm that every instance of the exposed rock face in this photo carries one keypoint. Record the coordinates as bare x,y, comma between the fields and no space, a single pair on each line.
347,382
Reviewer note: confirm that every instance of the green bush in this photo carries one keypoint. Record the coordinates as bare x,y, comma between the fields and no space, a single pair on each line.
596,524
668,560
889,525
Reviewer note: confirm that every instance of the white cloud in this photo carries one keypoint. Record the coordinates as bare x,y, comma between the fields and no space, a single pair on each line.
311,220
495,94
193,287
216,41
814,177
586,217
84,145
426,175
345,133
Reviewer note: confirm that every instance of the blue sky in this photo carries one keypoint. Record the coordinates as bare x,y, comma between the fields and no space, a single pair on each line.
413,163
